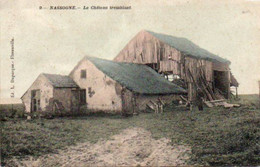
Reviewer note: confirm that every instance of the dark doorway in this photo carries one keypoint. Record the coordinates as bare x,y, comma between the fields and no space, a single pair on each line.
128,103
82,96
35,100
78,99
221,82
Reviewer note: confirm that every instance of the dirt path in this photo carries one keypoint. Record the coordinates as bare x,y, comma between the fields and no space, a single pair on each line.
132,147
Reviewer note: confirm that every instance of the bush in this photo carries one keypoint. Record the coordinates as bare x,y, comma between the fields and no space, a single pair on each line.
59,113
8,111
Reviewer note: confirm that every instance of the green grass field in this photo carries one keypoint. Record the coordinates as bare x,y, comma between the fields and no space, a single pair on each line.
217,136
251,100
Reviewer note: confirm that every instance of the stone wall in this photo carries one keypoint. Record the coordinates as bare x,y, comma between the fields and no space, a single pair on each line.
102,92
46,93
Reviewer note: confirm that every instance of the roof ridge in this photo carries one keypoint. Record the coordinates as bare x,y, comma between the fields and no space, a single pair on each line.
138,78
195,50
137,64
53,74
58,80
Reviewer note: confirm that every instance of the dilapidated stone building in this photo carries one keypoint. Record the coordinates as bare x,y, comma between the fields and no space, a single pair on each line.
116,86
100,85
135,77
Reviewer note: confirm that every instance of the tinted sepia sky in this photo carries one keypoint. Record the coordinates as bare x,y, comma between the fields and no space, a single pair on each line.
53,41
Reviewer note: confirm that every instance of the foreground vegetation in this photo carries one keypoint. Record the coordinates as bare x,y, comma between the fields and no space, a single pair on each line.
217,136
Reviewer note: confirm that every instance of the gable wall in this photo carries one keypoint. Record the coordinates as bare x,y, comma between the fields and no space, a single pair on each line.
46,91
151,49
102,92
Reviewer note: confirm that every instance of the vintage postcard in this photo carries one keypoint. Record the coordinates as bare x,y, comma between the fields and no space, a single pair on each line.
130,83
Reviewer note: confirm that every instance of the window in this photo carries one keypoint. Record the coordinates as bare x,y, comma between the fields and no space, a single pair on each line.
33,93
82,96
83,74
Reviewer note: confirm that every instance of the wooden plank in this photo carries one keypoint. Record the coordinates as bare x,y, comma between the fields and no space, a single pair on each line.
161,101
208,104
228,105
183,98
205,85
216,101
153,106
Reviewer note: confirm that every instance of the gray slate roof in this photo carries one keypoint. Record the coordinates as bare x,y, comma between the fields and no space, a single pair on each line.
60,81
187,47
137,78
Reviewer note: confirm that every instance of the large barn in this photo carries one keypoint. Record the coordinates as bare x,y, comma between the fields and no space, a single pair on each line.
101,85
181,59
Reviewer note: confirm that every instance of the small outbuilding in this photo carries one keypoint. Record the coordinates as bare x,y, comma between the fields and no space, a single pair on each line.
50,92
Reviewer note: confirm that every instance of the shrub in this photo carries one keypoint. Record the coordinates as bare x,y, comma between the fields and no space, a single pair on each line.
11,111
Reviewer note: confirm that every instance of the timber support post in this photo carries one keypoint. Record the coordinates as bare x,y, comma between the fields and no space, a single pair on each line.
236,93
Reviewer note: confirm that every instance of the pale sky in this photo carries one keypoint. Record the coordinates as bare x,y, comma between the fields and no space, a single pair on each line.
54,41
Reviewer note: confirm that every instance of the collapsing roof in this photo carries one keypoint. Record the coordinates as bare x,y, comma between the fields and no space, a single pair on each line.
137,78
188,47
60,81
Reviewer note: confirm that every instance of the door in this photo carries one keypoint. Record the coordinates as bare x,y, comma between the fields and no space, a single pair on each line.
35,100
78,99
128,102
